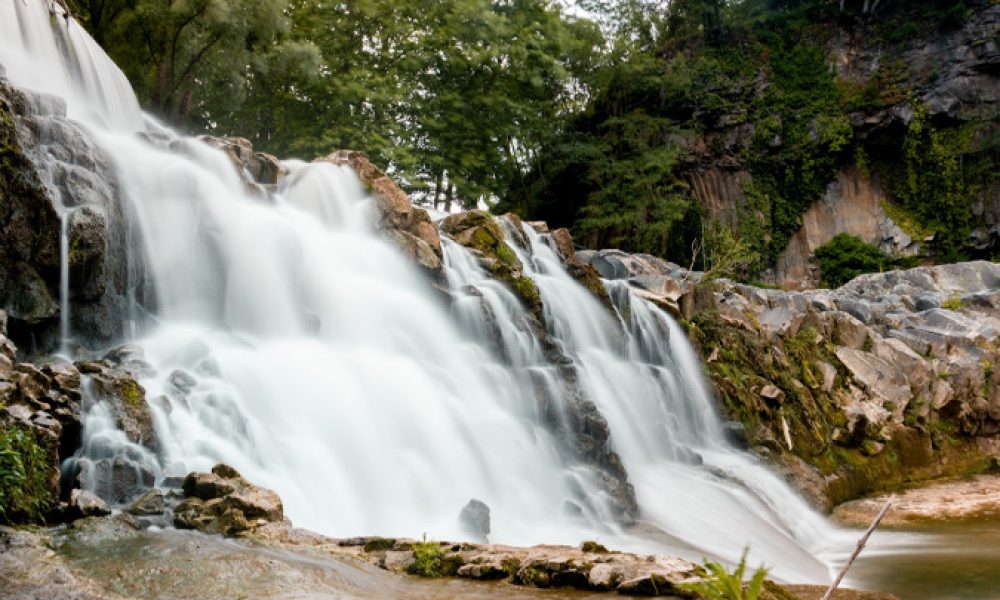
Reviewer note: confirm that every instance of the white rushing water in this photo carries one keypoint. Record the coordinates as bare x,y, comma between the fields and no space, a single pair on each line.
292,342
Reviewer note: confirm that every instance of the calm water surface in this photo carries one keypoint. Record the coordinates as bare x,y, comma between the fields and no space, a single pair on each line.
941,561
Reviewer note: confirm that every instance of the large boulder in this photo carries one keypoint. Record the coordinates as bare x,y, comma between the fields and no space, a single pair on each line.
475,520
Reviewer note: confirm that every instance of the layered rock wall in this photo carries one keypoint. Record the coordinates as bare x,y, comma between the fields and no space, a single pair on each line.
891,379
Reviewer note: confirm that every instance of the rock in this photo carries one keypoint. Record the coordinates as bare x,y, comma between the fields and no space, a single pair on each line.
773,393
42,145
604,577
206,486
409,227
475,520
652,584
117,386
483,571
87,504
150,503
224,502
829,374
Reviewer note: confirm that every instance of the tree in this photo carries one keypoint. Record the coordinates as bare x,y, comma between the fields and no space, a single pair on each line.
187,59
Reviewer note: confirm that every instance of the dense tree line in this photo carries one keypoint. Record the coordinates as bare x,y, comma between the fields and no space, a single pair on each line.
582,121
455,96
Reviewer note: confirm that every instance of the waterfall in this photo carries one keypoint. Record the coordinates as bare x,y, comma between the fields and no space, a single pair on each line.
64,258
289,339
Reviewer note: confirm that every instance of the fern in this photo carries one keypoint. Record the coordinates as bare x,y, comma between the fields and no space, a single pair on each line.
723,585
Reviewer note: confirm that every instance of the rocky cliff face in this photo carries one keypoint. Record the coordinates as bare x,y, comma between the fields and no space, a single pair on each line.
888,380
53,180
952,76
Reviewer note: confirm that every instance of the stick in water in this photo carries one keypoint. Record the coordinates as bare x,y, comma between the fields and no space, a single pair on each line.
857,551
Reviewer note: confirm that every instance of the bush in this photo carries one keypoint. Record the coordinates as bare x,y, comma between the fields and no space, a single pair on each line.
427,559
846,256
24,475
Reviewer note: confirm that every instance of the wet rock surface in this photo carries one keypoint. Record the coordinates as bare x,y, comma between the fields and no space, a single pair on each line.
573,417
53,172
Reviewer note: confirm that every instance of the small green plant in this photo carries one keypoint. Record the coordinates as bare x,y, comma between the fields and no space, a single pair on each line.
131,393
952,303
24,475
427,558
846,256
723,585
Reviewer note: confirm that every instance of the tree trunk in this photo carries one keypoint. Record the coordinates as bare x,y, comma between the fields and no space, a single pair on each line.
437,188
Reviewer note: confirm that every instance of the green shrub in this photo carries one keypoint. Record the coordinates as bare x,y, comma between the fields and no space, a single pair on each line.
427,559
24,475
846,256
723,585
952,302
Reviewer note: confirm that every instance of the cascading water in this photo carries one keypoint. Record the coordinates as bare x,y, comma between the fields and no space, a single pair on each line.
291,341
692,486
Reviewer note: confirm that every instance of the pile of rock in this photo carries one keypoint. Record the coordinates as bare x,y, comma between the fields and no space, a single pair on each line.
224,502
590,567
45,399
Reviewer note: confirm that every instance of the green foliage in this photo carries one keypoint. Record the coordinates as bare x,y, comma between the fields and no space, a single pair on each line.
934,185
726,255
132,394
454,97
846,256
24,475
190,61
723,585
427,559
952,302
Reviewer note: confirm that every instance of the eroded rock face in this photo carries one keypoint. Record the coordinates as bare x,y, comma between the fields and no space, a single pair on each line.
853,204
53,172
224,502
409,227
891,378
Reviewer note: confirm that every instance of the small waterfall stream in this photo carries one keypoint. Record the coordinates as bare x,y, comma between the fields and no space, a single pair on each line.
290,340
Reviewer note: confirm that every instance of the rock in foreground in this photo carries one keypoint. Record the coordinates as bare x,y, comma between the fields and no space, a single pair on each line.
224,502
